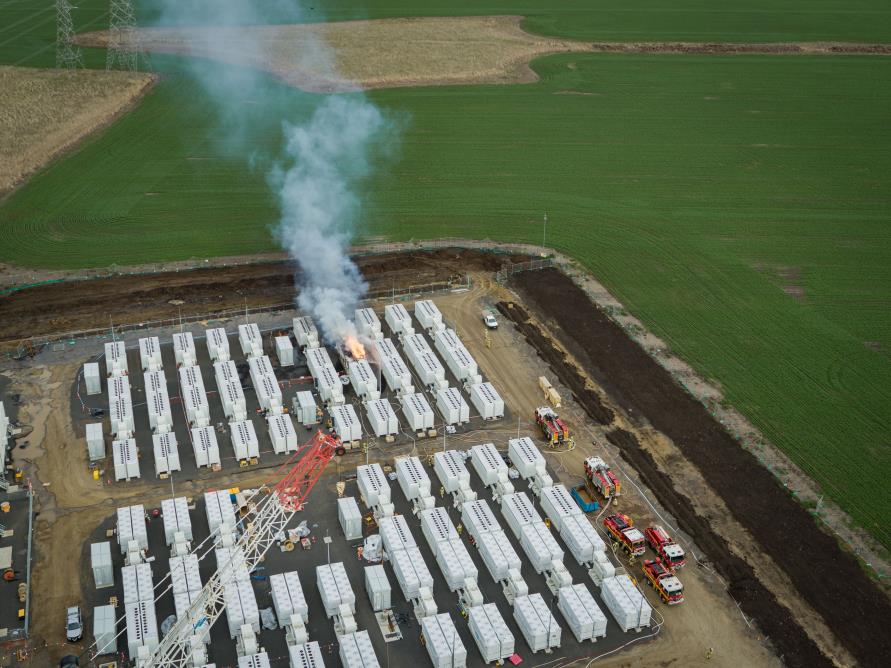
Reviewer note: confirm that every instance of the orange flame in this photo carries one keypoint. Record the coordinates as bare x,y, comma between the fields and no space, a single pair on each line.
357,350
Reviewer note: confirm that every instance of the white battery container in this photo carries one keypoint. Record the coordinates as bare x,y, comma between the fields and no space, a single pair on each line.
217,345
95,441
356,651
536,622
412,477
92,378
526,457
417,411
487,401
334,588
517,509
444,645
373,485
150,353
452,407
582,615
100,563
491,634
382,418
488,464
205,447
284,350
175,513
116,359
126,459
350,518
281,433
166,453
377,586
184,349
288,598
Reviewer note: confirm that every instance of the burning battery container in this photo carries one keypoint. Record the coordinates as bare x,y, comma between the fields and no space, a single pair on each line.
334,587
176,519
150,353
356,651
92,378
116,359
443,642
452,407
584,617
346,423
284,350
382,418
184,349
393,368
281,433
131,527
217,345
350,517
428,315
304,408
126,459
368,324
288,598
398,320
166,453
491,634
536,622
417,411
487,401
363,379
250,340
305,332
244,440
205,447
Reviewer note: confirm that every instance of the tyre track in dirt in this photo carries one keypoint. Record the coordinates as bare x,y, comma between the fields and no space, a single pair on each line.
827,578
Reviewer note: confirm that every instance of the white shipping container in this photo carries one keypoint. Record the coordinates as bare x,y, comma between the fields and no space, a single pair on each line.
412,477
92,378
498,554
126,459
346,423
443,643
155,382
363,379
232,398
395,534
142,627
184,349
95,440
517,509
425,363
373,485
329,385
487,401
356,651
334,588
166,453
105,630
175,513
368,324
244,440
150,353
451,470
417,411
377,586
488,464
120,413
137,583
305,409
260,366
626,604
350,518
281,433
382,418
288,598
452,407
428,315
250,340
131,526
558,504
305,332
307,655
100,563
219,509
316,359
526,457
205,447
284,350
241,607
584,617
492,636
540,547
116,359
536,622
398,319
217,345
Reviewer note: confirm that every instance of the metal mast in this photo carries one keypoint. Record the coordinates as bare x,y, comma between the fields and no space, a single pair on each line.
68,56
270,517
122,50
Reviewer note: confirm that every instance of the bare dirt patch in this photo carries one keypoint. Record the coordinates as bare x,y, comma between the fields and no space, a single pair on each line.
45,112
384,53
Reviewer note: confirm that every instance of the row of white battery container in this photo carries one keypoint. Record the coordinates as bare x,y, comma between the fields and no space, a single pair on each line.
325,376
426,364
414,481
535,538
408,564
266,387
453,475
230,390
427,313
451,556
363,380
393,368
150,354
496,550
457,357
374,488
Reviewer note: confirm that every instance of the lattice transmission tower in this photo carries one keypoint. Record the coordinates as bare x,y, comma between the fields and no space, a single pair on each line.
123,48
68,55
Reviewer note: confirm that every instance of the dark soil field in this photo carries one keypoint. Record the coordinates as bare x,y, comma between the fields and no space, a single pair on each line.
825,575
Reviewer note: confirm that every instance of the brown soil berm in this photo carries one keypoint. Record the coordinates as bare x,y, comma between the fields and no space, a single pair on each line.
126,299
827,577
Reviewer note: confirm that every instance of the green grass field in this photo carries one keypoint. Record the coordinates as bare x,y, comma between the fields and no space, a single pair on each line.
695,188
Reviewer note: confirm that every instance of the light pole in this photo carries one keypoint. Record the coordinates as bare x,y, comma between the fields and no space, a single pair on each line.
544,232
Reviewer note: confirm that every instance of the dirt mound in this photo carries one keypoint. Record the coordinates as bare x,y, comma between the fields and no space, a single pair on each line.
828,578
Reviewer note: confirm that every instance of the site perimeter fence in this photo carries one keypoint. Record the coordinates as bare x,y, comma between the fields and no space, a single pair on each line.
65,341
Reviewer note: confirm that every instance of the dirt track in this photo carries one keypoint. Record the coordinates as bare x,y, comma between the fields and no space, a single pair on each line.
82,305
822,573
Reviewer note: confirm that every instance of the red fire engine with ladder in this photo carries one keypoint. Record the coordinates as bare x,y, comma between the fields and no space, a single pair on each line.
671,554
602,478
622,531
552,427
666,584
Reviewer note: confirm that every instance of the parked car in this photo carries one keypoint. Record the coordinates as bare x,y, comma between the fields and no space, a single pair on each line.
490,321
74,628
